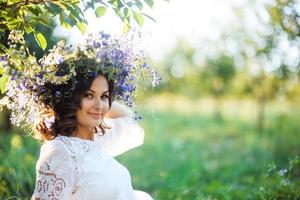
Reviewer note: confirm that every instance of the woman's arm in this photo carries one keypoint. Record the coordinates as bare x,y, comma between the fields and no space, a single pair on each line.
118,110
124,133
55,172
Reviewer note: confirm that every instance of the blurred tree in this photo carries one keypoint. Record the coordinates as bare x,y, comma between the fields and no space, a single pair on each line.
180,74
217,76
264,87
284,23
267,33
192,74
285,16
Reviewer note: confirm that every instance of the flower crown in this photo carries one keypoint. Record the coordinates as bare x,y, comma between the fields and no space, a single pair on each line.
27,79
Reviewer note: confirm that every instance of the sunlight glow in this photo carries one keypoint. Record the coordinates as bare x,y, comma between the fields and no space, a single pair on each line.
192,20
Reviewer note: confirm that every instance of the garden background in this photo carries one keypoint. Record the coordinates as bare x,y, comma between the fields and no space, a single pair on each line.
223,123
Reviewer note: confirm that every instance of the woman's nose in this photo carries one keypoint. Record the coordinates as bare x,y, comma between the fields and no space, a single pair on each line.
98,104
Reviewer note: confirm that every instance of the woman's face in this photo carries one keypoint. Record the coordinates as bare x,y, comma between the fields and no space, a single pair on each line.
94,104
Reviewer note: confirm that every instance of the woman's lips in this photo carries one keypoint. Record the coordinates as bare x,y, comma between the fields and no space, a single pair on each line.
95,115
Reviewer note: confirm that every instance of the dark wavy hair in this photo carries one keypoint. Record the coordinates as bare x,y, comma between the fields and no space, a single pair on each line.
64,110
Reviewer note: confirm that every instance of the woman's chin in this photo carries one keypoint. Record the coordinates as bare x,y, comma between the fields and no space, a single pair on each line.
94,125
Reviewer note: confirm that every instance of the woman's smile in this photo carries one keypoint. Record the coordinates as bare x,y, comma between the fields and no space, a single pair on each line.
95,115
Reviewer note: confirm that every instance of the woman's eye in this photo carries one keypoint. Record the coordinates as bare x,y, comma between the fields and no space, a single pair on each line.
104,97
88,95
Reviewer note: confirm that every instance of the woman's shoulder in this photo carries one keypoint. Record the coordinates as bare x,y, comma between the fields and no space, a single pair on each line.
54,146
70,145
64,146
54,158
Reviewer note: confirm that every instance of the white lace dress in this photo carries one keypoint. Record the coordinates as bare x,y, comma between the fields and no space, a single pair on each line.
71,168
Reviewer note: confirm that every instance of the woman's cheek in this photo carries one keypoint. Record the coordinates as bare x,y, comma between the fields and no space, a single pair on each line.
106,108
90,104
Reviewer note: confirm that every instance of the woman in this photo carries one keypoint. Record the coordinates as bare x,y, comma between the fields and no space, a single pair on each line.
79,164
67,99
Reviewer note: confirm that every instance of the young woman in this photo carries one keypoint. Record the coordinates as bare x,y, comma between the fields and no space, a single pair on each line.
67,99
78,162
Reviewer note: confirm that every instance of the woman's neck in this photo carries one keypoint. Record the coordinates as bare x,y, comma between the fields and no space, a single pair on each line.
84,133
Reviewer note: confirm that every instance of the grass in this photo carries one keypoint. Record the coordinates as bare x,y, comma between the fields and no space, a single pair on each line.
192,157
187,154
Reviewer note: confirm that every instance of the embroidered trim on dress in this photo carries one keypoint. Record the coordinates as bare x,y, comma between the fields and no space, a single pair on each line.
75,189
54,182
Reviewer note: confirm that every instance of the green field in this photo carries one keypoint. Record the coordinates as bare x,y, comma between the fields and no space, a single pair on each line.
188,155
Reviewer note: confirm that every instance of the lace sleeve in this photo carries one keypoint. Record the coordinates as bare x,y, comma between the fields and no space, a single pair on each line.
124,135
54,173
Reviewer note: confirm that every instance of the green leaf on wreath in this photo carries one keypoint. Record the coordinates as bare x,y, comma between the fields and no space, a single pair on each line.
81,26
100,11
41,40
138,18
3,81
149,3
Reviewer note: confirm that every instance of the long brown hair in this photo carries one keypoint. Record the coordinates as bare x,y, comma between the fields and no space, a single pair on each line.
64,111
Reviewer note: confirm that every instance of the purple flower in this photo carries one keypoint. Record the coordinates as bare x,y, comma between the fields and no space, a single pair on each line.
43,89
60,60
59,73
102,55
96,44
92,74
58,94
145,65
40,75
104,43
3,57
49,121
35,86
104,35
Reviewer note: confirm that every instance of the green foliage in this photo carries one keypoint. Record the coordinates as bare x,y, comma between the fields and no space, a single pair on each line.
18,155
81,26
218,73
100,11
281,130
41,40
286,16
47,31
26,15
150,3
180,74
222,67
281,184
138,18
3,80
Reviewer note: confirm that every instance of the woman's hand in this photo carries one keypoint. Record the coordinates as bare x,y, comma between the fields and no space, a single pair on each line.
118,110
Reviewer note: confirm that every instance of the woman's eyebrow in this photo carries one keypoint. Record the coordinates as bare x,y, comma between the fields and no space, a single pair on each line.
91,91
95,92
